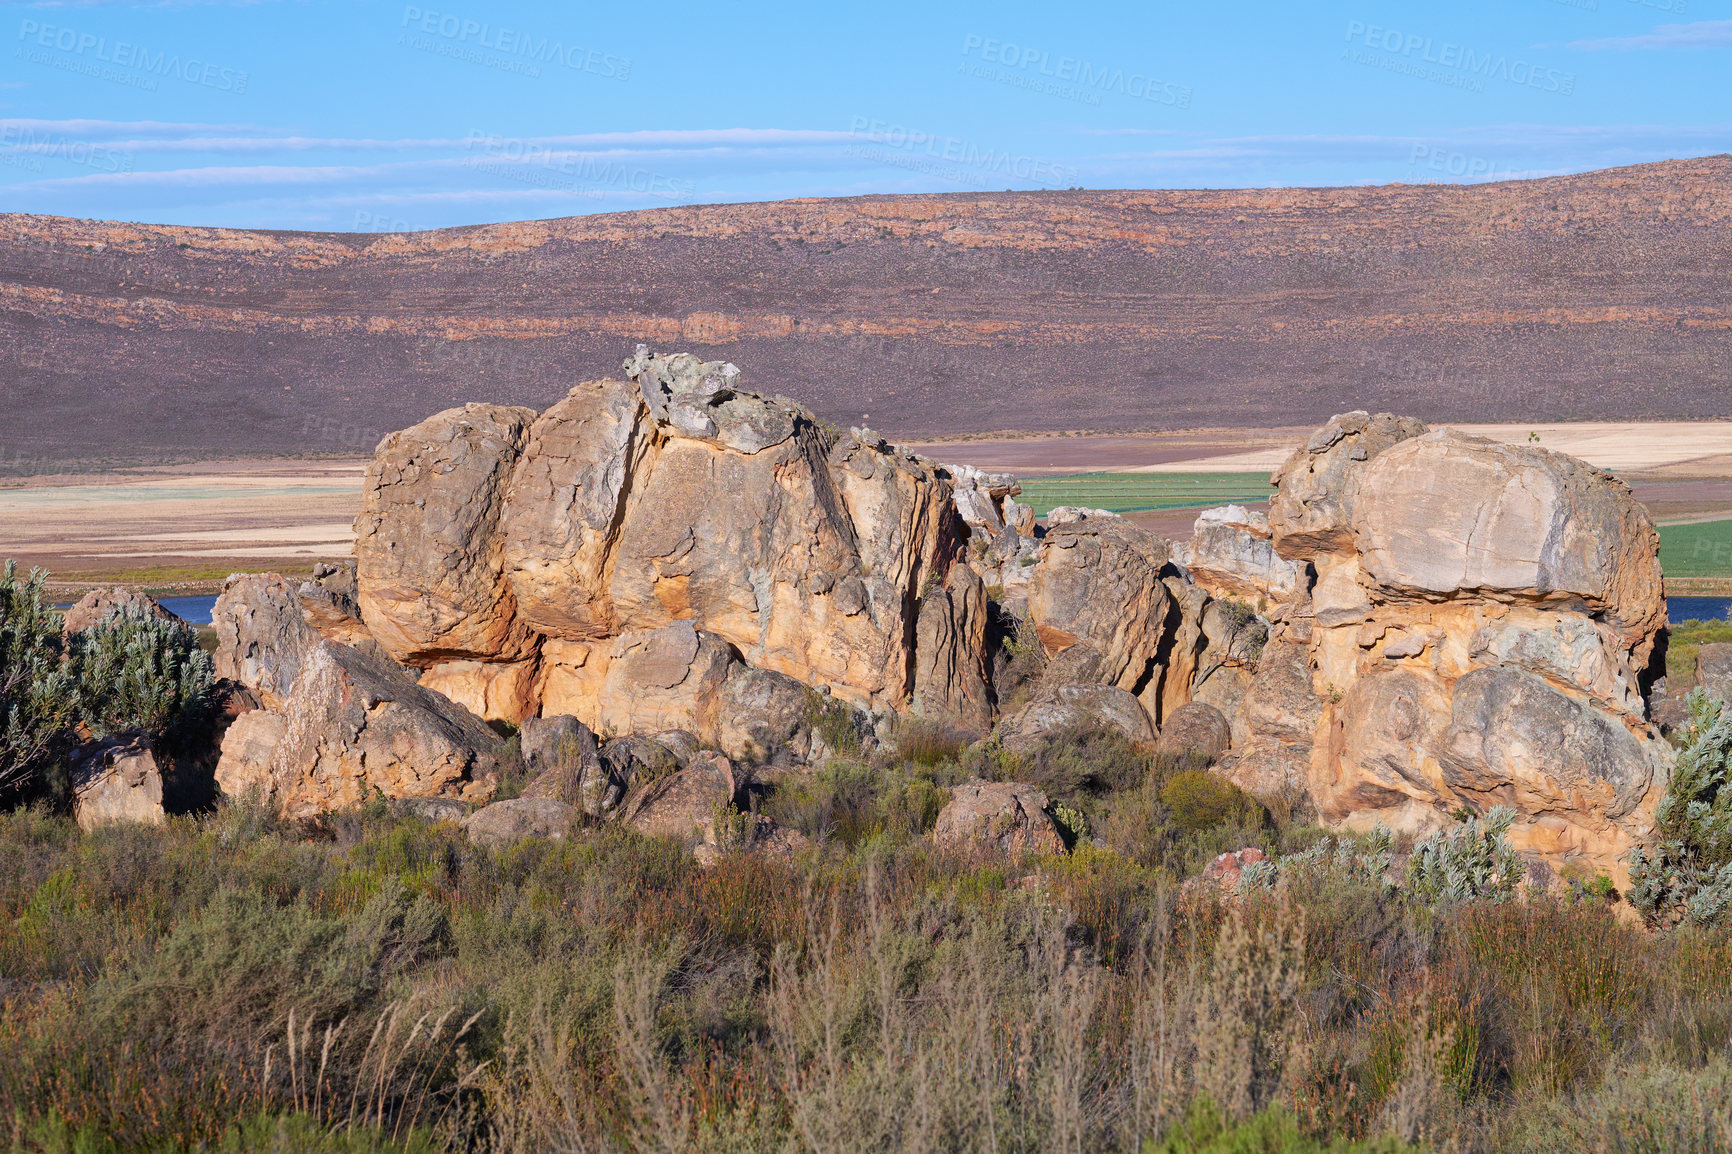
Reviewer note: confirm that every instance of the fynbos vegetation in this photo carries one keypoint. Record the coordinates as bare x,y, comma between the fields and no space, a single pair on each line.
1688,875
129,673
370,981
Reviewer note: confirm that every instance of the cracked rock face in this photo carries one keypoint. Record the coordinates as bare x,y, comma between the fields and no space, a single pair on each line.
674,498
1447,515
429,557
1098,584
1231,554
353,724
1474,636
565,504
116,781
1312,510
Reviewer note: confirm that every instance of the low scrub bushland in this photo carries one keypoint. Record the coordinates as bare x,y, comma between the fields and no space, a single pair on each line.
367,981
129,674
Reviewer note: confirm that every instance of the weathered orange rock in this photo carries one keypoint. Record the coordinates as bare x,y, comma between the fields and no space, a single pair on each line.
1474,636
429,557
494,690
352,725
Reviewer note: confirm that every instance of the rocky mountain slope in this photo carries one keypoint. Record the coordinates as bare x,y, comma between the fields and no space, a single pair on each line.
1601,295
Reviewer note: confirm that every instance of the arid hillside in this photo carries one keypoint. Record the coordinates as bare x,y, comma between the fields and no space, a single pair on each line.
1606,295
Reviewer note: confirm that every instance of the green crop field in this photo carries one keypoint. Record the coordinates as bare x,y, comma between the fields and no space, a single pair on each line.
1700,550
1130,492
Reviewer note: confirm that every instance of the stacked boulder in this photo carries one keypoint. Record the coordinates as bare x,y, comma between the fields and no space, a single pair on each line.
673,579
666,553
1475,631
645,543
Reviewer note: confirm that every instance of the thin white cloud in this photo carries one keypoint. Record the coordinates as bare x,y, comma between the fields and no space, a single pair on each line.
1127,132
132,127
153,136
1701,34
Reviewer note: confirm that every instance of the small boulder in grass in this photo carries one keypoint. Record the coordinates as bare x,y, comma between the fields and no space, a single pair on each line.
1195,731
756,835
115,781
1003,815
504,822
1226,870
683,805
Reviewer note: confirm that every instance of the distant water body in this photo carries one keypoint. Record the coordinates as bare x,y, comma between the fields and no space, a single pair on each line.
192,610
1698,609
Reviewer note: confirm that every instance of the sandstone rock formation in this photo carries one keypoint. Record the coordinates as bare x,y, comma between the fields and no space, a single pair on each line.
1001,816
262,639
429,557
1097,590
1445,516
1476,634
564,762
983,501
950,679
1195,732
684,804
353,724
1231,553
116,781
766,716
1069,707
698,574
1312,509
602,537
266,625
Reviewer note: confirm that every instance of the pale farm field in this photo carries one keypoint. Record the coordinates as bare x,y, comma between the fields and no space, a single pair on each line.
184,526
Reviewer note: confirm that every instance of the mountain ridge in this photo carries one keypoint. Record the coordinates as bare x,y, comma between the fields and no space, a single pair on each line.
1601,295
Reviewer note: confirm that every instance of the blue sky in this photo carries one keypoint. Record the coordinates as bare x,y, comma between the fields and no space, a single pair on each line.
368,116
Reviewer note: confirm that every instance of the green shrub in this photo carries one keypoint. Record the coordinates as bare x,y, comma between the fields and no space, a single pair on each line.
835,722
1199,800
927,743
38,694
1274,1131
1072,824
1472,860
1084,758
139,672
850,801
1687,875
1330,859
1642,1110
